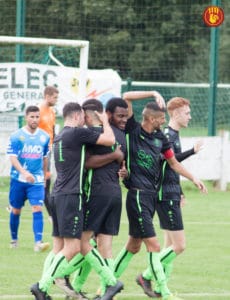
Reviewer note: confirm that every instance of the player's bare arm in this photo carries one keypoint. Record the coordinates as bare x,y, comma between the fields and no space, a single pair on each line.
27,175
106,138
138,95
100,160
179,168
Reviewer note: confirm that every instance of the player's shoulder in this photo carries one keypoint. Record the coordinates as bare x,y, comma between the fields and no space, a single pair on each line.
42,132
119,134
75,132
95,128
44,109
132,125
41,106
159,134
17,133
170,133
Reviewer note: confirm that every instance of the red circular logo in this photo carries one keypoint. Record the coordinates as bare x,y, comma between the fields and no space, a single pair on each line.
213,16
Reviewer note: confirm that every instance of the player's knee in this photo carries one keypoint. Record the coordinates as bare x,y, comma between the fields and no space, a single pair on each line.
36,208
179,248
134,249
134,246
16,211
152,244
154,247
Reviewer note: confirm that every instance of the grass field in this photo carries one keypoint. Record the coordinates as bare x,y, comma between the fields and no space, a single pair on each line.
201,272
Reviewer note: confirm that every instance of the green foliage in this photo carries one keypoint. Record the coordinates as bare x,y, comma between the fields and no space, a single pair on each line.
144,40
157,41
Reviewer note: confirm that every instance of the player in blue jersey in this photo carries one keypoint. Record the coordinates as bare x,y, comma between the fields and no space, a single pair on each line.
28,150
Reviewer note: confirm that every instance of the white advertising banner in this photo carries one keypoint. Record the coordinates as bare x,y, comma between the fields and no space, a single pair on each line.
22,84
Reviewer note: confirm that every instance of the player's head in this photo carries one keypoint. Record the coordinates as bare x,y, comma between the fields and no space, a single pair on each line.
72,112
32,117
117,110
31,108
89,107
154,115
179,111
51,95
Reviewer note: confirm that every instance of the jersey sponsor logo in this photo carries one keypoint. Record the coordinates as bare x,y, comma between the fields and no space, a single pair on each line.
144,160
31,155
213,16
31,151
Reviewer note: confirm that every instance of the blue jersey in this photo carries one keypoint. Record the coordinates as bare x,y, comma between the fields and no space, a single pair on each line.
30,149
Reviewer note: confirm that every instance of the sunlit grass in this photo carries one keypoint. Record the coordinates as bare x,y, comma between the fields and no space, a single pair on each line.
201,272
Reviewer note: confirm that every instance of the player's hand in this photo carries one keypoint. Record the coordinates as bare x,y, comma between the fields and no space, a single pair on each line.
199,145
103,117
29,177
119,155
200,185
123,173
159,99
182,201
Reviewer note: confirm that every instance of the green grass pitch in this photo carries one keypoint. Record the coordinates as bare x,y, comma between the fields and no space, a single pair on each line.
201,272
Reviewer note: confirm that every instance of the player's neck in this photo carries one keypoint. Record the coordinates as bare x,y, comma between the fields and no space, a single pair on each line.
147,127
174,125
45,104
29,129
71,123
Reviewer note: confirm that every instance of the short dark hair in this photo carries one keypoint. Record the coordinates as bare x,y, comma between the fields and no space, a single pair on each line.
115,102
70,108
155,107
50,90
31,108
92,104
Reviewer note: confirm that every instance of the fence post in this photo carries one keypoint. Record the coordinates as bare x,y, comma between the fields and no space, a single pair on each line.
20,27
223,181
127,87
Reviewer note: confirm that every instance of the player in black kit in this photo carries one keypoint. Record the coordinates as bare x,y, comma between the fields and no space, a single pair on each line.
67,207
170,196
146,143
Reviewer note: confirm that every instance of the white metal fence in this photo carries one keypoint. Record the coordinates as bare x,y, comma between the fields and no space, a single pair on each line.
211,163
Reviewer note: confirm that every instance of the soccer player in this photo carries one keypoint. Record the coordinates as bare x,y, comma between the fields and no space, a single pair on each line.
67,206
28,150
47,123
104,199
145,145
105,165
170,195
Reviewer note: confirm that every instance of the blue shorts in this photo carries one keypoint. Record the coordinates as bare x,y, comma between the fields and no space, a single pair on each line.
22,191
